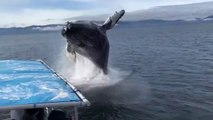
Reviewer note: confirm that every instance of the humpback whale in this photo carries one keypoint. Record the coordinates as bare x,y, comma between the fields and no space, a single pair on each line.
90,40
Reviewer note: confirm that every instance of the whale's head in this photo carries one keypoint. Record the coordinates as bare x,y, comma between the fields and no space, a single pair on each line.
90,40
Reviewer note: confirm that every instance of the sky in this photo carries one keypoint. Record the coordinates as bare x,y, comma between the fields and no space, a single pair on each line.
34,12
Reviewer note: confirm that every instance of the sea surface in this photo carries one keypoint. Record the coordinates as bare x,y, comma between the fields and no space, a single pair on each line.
168,66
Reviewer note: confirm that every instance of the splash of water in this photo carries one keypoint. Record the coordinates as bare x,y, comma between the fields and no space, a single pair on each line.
83,72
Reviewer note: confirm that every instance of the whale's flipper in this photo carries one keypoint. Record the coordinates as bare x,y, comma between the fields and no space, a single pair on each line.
74,53
111,21
71,49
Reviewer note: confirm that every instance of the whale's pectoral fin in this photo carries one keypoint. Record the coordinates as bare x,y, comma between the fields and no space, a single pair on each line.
70,49
111,21
74,53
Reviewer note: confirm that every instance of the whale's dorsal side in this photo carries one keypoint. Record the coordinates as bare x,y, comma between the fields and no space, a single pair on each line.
112,20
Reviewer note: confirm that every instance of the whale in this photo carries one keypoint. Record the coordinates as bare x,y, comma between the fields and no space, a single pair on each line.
89,39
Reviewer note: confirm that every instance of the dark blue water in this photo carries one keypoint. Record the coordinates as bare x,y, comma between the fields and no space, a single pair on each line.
170,66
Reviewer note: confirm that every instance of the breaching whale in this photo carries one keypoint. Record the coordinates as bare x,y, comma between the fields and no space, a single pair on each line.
90,40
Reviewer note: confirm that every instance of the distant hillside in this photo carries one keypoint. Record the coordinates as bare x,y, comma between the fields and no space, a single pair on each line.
196,11
188,12
31,29
122,24
209,17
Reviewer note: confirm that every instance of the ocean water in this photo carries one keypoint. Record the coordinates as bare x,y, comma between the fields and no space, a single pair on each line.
165,70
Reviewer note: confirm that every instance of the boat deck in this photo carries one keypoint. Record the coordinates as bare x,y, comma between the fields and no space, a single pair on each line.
28,84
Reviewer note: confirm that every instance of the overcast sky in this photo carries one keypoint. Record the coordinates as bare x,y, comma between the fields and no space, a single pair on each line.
28,12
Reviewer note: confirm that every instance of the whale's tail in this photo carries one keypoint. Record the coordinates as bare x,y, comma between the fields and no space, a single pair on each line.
112,20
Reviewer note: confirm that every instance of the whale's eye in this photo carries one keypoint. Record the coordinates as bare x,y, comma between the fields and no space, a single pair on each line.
81,44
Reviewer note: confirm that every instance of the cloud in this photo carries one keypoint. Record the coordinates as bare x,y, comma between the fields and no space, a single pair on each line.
87,0
132,5
53,28
28,12
8,4
29,17
19,5
37,17
11,2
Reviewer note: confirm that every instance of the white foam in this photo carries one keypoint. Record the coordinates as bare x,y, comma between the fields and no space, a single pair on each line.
84,72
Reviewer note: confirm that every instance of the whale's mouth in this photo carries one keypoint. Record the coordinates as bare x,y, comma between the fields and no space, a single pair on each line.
63,31
66,28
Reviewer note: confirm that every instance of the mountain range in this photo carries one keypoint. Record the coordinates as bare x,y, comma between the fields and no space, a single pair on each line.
187,12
